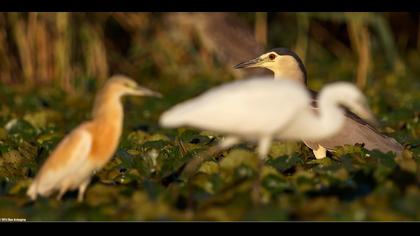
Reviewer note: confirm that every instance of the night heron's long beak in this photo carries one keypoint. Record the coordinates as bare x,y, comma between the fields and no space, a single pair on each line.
250,63
141,91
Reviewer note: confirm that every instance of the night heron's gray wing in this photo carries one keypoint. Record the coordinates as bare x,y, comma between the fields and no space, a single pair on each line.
356,131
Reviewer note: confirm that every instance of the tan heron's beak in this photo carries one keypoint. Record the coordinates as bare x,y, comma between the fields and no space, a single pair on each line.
251,63
141,91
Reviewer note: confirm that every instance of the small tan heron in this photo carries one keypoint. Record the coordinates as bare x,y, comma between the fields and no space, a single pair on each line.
248,110
286,64
90,146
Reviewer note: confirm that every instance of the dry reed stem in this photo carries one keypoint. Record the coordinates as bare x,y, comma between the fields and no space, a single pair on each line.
301,46
261,28
22,43
360,40
62,51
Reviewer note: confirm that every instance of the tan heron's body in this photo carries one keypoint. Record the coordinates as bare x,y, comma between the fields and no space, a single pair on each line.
286,64
89,146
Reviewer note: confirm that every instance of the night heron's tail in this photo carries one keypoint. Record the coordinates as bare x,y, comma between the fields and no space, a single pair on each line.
357,131
383,143
361,132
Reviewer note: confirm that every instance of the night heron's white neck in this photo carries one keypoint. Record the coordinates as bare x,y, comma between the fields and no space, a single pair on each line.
286,67
293,75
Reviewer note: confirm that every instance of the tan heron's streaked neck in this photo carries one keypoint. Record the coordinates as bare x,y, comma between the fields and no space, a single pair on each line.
108,104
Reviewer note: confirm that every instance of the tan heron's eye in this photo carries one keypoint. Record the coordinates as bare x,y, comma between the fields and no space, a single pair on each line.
272,56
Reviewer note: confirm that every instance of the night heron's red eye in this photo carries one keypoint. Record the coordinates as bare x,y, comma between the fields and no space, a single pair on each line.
272,56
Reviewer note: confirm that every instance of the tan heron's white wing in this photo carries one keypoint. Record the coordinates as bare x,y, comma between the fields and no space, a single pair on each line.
249,106
70,154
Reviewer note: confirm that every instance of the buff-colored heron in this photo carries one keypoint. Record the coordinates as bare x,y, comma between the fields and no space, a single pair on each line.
88,147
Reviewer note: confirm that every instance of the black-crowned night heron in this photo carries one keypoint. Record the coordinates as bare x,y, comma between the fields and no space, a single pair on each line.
248,109
88,147
286,64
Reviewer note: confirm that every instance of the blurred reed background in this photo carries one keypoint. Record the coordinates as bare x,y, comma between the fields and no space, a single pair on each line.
71,50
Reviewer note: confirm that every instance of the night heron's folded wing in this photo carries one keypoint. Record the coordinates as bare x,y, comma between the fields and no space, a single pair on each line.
355,131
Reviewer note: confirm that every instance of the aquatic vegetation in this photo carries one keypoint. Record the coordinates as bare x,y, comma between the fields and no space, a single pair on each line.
144,181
